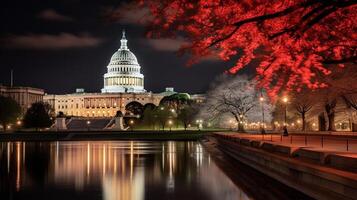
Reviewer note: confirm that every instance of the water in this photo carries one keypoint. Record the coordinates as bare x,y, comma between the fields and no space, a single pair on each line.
112,170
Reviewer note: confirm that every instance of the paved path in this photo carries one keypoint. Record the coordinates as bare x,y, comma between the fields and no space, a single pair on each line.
325,142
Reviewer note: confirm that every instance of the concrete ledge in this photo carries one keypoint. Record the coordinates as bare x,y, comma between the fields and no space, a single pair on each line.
286,150
312,178
256,144
245,142
268,147
342,161
311,155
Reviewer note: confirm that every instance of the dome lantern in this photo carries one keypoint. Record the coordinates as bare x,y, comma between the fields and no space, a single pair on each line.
123,42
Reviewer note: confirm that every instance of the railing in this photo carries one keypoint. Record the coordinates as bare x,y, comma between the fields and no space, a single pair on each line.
337,143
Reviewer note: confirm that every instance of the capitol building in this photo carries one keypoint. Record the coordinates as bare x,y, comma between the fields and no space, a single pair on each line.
123,83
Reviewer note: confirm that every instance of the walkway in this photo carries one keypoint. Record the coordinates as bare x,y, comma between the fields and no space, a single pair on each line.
323,142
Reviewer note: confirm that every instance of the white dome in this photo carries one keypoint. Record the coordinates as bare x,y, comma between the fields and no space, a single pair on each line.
123,72
123,57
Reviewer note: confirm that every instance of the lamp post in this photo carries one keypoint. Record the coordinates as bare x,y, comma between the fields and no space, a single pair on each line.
170,124
261,99
285,128
131,124
88,124
199,124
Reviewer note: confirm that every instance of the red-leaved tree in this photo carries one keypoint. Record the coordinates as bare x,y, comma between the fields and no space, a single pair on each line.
296,42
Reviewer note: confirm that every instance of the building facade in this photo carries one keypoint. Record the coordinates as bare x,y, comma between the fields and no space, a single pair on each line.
24,96
123,83
97,104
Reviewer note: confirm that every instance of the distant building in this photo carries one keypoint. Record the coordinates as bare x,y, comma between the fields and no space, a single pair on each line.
98,104
24,96
123,83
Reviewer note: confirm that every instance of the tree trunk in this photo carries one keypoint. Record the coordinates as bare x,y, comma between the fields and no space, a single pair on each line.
303,128
331,122
322,122
330,110
240,127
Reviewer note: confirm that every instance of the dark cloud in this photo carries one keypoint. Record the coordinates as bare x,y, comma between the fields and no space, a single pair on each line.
164,44
128,13
53,42
52,15
172,45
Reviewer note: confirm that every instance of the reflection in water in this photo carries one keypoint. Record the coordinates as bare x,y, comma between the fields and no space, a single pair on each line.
112,170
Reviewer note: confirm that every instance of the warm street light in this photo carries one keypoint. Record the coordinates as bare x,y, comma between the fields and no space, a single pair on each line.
285,100
170,124
199,123
261,99
19,123
88,124
131,124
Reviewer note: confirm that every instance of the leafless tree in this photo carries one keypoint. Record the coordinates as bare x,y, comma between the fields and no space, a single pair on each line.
302,103
350,100
341,85
237,97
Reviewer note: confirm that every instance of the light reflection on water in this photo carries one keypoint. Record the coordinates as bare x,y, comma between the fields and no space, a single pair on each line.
112,170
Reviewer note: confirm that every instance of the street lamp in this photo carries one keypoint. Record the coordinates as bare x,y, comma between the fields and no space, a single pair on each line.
88,124
131,124
170,124
261,99
285,128
199,123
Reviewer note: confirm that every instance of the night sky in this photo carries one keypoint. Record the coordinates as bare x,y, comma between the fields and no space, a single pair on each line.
60,45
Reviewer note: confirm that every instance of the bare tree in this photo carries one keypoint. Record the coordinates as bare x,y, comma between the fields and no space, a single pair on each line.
302,103
340,84
236,97
350,100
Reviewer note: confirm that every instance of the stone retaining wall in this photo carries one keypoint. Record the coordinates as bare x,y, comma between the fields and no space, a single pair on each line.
302,169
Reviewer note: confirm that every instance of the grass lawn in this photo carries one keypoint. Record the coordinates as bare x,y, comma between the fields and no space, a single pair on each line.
105,135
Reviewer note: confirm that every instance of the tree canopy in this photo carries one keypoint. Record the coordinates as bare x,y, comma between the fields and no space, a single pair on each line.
38,116
295,42
9,111
135,108
176,101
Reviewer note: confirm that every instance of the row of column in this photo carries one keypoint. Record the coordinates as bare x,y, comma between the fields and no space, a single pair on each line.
124,81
